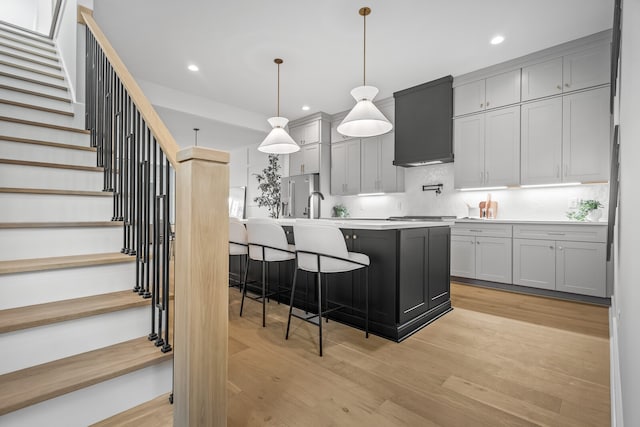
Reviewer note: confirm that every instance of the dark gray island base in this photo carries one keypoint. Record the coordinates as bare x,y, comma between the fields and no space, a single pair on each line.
409,279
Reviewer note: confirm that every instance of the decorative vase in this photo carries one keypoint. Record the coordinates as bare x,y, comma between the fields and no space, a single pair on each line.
594,215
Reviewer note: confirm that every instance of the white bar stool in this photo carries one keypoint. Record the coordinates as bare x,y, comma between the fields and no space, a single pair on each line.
321,249
239,245
267,243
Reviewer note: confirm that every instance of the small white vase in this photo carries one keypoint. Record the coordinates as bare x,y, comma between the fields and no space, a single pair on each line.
594,215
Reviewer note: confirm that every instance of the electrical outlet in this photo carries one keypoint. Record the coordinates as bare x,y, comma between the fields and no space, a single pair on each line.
573,202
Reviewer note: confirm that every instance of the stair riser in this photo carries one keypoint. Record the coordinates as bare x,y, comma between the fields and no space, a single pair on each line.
95,403
44,153
23,349
32,46
26,37
40,101
39,287
34,76
30,207
30,64
44,134
39,116
35,87
51,59
18,176
18,243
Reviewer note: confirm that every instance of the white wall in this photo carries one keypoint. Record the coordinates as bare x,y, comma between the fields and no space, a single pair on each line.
627,283
534,203
19,12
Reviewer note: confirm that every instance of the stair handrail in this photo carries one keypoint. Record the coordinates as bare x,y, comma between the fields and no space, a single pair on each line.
151,117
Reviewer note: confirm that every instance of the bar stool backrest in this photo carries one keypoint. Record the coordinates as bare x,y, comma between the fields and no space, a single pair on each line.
266,232
237,234
319,238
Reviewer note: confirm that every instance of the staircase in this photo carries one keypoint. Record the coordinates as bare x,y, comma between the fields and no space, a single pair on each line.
73,335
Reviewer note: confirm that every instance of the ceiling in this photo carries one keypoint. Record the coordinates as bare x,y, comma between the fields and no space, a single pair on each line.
408,42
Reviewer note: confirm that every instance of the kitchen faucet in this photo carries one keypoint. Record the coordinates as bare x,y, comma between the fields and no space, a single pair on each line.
315,214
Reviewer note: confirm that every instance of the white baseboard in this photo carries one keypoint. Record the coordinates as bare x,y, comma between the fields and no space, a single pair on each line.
615,384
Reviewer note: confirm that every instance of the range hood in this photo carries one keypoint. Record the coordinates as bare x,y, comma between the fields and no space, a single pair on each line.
423,124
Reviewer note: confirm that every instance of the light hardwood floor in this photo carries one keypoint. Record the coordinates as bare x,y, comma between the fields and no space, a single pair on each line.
498,359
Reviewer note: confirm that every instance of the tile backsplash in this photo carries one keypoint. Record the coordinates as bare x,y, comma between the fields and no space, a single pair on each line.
550,203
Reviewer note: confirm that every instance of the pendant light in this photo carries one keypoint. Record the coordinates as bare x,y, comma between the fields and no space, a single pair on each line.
278,141
364,119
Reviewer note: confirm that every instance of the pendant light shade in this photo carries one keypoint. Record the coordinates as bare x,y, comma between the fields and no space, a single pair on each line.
278,141
364,120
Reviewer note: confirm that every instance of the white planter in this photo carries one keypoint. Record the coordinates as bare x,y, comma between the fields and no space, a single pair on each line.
594,215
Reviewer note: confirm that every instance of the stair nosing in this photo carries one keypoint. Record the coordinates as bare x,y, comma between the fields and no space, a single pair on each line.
31,70
36,107
63,262
34,93
36,37
107,303
46,143
19,49
55,192
60,224
46,125
51,165
152,357
50,49
35,61
34,81
155,405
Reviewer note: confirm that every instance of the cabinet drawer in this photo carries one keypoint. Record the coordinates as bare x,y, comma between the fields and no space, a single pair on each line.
487,230
575,233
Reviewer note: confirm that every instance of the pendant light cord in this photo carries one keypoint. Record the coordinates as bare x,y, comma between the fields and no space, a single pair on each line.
364,53
278,107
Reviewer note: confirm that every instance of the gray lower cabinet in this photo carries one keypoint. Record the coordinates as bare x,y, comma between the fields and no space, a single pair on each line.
493,259
463,256
480,252
534,263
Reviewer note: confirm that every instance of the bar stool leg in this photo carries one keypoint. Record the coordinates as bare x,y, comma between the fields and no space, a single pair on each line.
264,307
366,302
244,285
326,298
320,309
293,290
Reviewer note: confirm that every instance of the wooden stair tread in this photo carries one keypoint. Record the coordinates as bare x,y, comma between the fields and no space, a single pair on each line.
32,70
34,81
157,412
42,39
63,224
43,382
20,49
56,192
55,263
49,49
36,107
47,143
15,319
33,61
34,93
46,125
51,165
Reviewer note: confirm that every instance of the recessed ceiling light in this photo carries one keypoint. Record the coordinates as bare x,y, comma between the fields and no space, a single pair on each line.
193,67
305,108
497,40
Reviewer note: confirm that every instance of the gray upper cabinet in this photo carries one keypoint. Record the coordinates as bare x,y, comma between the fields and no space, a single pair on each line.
345,168
487,149
307,133
585,139
306,160
587,68
493,92
377,172
579,70
542,79
311,133
541,142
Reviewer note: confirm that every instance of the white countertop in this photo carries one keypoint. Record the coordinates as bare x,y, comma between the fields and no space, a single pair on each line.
525,221
367,224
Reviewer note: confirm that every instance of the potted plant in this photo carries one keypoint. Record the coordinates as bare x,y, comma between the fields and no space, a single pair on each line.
587,209
269,185
340,211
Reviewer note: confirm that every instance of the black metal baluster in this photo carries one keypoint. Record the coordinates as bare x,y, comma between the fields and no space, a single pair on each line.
147,220
166,255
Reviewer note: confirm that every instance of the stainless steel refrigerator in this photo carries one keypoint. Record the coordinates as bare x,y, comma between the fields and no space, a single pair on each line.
295,192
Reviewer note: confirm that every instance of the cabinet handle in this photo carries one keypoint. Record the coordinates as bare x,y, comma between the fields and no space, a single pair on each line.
555,233
300,168
477,243
476,231
346,237
486,177
559,87
481,105
560,248
550,247
481,177
472,242
557,171
487,103
355,236
567,85
303,167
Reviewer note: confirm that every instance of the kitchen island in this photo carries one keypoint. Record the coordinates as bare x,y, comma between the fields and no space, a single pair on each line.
408,275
